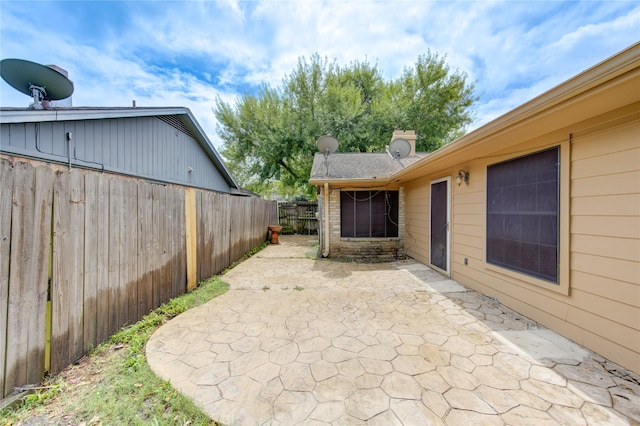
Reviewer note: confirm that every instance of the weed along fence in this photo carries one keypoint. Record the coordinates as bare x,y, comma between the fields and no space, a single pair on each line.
298,218
84,253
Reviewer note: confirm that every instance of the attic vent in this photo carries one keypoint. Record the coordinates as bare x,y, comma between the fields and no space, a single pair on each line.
175,122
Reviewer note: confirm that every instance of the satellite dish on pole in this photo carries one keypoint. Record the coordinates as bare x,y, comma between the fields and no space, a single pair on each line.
40,82
399,149
327,145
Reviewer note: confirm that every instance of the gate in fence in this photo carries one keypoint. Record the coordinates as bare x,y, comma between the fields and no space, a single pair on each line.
299,217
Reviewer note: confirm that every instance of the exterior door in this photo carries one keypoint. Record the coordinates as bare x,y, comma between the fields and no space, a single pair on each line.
440,218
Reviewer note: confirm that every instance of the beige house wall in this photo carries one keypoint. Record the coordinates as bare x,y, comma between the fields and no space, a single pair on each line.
597,302
364,247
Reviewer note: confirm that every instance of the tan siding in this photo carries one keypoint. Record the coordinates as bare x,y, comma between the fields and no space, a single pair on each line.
604,143
469,230
618,183
606,327
623,161
602,310
611,205
606,287
616,248
610,311
612,226
417,229
622,270
597,303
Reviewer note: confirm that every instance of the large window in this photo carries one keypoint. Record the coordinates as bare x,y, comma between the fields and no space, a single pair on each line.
369,214
522,214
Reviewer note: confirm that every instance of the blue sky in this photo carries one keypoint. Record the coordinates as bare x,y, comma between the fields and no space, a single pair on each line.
185,53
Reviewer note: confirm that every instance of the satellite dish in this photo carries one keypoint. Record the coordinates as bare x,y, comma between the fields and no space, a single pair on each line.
38,81
327,144
399,149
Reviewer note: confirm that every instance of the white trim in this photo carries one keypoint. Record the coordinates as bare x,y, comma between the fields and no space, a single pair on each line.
447,179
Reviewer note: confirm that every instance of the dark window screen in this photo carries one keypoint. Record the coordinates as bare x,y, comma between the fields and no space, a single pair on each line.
369,214
522,214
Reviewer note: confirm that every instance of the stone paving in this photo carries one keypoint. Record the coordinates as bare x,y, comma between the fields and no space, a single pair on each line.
316,342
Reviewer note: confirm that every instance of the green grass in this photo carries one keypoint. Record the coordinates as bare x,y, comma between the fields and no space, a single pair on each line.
114,384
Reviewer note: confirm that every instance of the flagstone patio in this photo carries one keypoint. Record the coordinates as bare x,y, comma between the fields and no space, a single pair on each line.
303,341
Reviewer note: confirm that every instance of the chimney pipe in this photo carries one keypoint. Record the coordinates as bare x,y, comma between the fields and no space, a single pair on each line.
68,102
409,136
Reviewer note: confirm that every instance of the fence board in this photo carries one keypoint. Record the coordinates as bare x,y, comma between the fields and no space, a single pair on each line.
131,268
26,313
145,253
115,208
203,264
63,275
178,255
91,256
6,190
182,243
159,199
74,257
103,255
220,231
172,231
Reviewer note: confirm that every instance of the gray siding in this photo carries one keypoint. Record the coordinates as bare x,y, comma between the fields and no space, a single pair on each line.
146,147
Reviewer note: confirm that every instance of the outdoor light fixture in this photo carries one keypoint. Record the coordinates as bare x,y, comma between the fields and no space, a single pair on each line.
462,176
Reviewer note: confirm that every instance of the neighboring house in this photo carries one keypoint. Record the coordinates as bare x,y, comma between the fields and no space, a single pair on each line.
158,144
548,222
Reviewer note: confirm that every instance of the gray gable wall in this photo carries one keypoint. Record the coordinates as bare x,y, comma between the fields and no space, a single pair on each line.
158,148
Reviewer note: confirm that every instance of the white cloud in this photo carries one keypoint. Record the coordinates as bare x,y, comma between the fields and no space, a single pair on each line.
187,53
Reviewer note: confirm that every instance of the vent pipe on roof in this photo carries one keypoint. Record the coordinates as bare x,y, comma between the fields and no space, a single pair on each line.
409,136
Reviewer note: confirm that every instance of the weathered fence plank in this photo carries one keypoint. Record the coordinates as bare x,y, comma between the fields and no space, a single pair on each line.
68,262
158,241
102,276
115,208
91,258
28,274
179,252
203,236
131,250
6,190
145,247
74,257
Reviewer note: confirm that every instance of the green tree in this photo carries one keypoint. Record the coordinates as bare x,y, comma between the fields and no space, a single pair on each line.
270,136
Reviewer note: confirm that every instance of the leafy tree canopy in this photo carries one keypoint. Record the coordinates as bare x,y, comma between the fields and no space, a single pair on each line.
269,138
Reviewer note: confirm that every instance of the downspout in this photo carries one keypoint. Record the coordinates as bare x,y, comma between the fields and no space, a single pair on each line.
325,213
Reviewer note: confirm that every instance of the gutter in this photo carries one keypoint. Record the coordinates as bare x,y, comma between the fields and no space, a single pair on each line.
383,180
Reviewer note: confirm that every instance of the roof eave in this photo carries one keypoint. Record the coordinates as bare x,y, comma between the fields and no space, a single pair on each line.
607,70
204,141
22,115
350,181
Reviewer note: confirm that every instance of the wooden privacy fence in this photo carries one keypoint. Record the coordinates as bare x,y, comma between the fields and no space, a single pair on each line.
84,253
298,218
